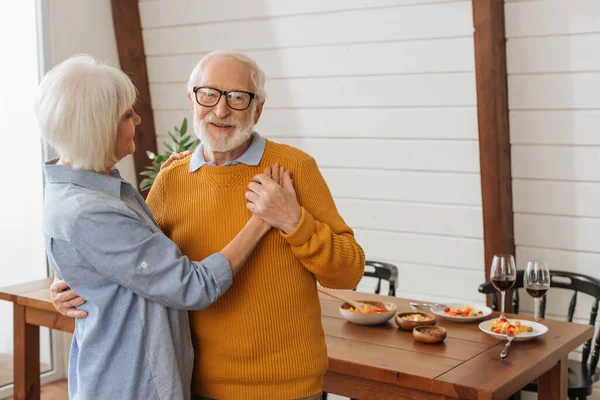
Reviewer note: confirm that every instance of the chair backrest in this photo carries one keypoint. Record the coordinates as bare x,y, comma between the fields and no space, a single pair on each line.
578,283
382,271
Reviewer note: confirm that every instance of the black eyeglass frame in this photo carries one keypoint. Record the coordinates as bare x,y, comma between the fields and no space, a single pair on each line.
221,93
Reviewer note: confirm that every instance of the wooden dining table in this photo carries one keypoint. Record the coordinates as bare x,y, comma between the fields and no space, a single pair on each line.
365,362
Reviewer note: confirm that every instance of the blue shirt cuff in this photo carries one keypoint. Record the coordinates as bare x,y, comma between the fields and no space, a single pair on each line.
220,269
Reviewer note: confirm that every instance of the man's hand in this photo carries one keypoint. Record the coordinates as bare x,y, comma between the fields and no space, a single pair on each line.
274,203
276,173
65,300
175,156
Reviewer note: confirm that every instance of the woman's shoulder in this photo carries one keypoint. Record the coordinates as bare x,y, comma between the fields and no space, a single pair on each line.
65,207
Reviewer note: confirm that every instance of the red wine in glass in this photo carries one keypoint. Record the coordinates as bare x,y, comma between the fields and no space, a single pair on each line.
503,274
536,290
503,282
537,282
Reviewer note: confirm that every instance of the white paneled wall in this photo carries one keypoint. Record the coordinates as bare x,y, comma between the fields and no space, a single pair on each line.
380,92
553,51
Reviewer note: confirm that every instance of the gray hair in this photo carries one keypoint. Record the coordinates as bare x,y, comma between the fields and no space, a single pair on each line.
256,74
78,105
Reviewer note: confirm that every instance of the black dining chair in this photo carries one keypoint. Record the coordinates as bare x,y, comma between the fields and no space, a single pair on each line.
382,271
581,374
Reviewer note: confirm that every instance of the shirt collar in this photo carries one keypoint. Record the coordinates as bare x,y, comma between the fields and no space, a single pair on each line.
252,156
110,185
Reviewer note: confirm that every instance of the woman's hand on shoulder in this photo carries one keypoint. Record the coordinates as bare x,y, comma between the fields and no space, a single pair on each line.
174,157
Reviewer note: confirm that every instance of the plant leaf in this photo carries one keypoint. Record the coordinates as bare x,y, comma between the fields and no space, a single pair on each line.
184,143
146,183
184,126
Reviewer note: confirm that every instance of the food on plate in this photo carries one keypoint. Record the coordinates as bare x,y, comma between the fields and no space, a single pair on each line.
367,310
504,327
466,311
416,317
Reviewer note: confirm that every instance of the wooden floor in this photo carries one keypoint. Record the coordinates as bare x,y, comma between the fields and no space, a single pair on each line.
6,369
54,391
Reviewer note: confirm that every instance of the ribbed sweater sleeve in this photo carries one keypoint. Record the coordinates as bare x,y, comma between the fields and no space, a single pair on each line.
322,241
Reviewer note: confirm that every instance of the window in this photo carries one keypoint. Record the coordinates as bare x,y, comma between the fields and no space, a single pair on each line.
22,254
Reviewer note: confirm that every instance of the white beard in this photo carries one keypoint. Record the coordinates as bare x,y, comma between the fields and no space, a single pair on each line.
224,143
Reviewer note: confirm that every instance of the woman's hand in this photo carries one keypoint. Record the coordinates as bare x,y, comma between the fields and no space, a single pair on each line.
65,300
273,199
174,157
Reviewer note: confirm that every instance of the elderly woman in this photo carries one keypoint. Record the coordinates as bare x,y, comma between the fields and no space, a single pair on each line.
103,241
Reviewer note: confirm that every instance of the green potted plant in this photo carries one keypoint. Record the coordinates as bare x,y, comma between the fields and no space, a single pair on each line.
181,141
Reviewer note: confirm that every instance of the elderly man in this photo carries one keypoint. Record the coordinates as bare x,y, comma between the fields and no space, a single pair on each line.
262,339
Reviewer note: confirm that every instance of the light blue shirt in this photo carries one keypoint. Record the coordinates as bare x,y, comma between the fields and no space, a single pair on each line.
103,241
251,156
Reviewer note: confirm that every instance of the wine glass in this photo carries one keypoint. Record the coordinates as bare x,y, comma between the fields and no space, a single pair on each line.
537,282
503,275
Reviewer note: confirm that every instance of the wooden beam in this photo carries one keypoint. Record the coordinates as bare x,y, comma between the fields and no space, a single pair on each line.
132,57
494,137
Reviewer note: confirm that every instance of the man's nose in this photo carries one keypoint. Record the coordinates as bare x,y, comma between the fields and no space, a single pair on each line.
222,110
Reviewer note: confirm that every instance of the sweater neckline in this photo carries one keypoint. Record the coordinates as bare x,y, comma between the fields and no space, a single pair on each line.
231,169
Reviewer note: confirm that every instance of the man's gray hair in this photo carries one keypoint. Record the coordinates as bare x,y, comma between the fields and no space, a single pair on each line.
256,74
78,106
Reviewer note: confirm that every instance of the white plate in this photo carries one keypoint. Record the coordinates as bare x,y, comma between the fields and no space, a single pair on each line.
538,330
438,310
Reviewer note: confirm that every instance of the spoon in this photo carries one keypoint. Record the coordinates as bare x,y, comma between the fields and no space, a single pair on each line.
356,304
426,305
504,353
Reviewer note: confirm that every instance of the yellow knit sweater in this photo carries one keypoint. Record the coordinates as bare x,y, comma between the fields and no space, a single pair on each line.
263,338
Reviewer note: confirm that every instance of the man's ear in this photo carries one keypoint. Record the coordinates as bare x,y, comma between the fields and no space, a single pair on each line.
259,108
191,98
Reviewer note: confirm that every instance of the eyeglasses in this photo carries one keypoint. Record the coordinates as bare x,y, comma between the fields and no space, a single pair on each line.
236,99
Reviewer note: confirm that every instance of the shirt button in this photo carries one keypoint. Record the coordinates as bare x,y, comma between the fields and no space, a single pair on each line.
144,265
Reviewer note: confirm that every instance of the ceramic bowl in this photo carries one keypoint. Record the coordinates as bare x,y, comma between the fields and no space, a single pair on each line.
409,325
429,334
368,319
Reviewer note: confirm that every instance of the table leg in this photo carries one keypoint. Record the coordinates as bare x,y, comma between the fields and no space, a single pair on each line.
553,384
27,357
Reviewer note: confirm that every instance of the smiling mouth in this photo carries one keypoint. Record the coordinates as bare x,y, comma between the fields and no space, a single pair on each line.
222,126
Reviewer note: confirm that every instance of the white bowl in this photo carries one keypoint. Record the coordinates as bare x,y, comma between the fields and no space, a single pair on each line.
368,319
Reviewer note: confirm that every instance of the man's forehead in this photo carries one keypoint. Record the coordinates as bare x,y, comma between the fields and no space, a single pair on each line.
225,73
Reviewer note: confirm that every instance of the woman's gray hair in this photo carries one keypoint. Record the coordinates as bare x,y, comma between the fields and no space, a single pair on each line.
256,74
78,105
